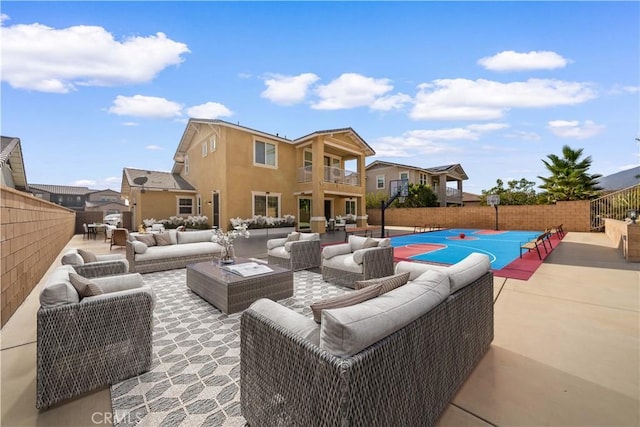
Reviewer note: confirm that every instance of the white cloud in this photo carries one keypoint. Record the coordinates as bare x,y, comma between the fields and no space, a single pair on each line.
509,60
4,17
145,106
575,129
525,136
154,148
130,124
209,110
631,89
113,180
41,58
351,90
392,102
463,99
83,183
288,90
430,141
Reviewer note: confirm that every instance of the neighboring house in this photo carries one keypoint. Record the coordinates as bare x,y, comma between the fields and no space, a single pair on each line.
380,173
80,198
106,201
13,174
620,180
470,199
223,170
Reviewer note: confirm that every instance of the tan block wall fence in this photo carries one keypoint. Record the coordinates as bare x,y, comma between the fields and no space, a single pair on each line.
625,236
32,234
573,215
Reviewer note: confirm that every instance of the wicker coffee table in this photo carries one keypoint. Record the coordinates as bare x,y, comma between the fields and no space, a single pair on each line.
231,292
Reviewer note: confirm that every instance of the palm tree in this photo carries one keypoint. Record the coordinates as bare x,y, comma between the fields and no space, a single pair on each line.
569,178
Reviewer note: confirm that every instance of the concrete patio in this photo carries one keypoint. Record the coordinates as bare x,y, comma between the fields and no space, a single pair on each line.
566,348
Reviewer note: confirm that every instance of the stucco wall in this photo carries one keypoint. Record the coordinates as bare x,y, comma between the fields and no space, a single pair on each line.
33,232
573,215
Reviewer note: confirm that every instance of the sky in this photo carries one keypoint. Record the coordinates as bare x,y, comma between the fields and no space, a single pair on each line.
93,87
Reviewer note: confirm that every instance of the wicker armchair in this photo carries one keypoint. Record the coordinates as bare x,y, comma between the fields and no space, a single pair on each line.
105,265
295,255
346,263
91,343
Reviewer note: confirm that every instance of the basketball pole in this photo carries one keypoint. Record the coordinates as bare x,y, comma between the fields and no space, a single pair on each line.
384,205
496,208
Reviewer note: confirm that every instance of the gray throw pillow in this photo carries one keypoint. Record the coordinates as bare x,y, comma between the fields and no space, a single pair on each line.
293,237
370,243
387,284
84,286
163,239
147,239
87,256
345,300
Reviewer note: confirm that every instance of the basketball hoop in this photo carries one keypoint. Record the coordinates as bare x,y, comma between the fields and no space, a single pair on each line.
493,200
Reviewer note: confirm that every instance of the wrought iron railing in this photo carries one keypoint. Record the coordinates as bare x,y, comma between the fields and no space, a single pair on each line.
614,206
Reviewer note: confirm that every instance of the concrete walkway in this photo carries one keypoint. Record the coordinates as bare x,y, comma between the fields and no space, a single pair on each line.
566,348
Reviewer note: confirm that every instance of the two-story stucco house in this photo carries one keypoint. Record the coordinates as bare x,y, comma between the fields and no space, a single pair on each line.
380,173
224,170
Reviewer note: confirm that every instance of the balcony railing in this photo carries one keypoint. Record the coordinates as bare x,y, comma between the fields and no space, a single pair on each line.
331,174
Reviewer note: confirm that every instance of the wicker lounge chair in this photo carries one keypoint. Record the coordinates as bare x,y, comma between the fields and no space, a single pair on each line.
297,254
85,344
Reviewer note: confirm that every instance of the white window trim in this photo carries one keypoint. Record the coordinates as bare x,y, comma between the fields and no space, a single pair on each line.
178,205
264,165
384,182
264,193
198,205
404,172
204,149
355,206
212,144
186,164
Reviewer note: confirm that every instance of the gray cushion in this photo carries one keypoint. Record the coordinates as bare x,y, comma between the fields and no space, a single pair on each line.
139,247
194,236
344,262
387,284
349,330
466,271
288,319
87,256
370,243
279,252
58,290
309,236
163,239
357,242
180,250
293,237
344,300
147,239
72,258
84,286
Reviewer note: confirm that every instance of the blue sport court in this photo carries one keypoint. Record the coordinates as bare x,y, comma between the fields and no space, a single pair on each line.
452,245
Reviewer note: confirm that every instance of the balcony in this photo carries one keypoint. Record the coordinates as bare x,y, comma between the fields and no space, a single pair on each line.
331,174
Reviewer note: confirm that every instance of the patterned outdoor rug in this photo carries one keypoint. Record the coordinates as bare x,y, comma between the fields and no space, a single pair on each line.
195,376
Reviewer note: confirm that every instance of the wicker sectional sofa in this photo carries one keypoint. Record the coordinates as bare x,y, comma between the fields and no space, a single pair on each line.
184,247
397,359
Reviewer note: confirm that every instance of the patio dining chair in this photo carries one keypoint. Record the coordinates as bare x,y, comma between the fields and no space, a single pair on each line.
119,237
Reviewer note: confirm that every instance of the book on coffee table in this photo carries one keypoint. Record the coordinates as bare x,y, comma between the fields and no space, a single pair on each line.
248,269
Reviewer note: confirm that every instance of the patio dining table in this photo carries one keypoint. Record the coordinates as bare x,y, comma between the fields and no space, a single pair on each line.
94,228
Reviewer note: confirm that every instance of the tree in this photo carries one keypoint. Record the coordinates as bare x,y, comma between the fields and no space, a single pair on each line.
569,178
518,192
420,196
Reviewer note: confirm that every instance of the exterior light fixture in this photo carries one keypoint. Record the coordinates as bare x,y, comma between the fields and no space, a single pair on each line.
633,215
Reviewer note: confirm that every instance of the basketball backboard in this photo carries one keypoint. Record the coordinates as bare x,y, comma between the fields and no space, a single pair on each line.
399,188
493,200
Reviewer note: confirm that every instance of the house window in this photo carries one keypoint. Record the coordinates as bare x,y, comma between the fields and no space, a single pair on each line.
308,160
186,165
204,149
185,206
350,207
266,204
265,154
404,175
212,143
380,182
199,204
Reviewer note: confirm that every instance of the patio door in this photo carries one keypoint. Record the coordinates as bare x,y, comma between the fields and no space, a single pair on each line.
304,213
215,210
